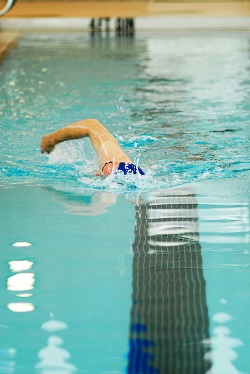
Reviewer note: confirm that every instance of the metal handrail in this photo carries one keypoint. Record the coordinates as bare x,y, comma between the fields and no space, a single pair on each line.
9,4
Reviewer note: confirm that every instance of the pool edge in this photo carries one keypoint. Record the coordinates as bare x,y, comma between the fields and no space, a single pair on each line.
151,23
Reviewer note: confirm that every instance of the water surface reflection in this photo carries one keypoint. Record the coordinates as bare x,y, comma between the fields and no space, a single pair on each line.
169,316
85,256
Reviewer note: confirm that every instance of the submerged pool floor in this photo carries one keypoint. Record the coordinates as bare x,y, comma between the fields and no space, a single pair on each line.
144,275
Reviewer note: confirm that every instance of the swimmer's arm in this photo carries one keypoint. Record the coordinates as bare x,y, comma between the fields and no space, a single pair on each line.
88,127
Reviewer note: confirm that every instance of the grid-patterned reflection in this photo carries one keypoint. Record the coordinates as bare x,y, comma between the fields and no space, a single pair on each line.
169,317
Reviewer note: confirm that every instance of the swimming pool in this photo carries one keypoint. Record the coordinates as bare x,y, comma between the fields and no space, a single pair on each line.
149,275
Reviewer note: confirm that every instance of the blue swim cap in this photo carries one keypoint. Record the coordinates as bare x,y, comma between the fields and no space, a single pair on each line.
127,168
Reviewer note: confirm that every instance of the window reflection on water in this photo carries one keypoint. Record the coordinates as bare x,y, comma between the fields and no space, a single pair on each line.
169,316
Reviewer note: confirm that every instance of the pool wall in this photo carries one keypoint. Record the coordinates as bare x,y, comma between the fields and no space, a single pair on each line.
152,23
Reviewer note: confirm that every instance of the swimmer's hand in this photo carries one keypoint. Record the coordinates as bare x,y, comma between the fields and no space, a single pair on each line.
47,145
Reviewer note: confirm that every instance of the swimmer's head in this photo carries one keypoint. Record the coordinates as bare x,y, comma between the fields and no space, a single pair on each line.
120,167
108,168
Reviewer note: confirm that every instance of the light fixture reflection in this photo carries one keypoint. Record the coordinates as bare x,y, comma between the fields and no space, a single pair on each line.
21,244
54,325
53,358
21,282
24,295
16,266
21,307
222,346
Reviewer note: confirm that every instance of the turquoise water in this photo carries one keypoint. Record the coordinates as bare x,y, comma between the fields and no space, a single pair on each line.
143,275
179,103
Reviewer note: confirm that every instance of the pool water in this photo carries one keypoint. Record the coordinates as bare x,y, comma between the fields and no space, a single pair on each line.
179,103
126,275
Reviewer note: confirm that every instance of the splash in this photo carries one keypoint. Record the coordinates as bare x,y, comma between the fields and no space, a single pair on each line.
121,182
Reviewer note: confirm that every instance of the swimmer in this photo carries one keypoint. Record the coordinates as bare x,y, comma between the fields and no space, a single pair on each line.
111,156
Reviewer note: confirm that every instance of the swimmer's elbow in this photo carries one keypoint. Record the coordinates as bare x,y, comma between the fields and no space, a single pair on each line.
91,121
